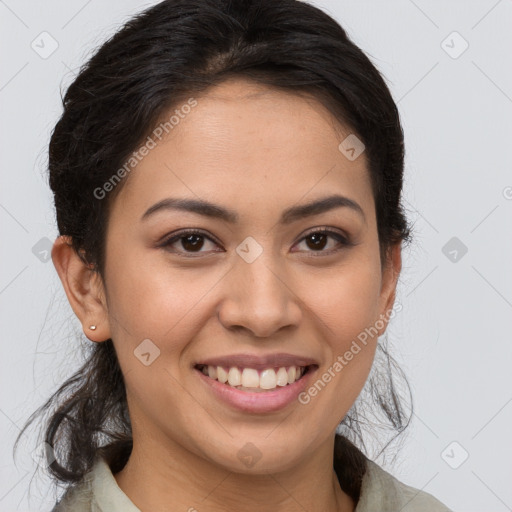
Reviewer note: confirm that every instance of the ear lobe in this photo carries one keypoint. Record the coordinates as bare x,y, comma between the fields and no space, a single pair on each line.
84,289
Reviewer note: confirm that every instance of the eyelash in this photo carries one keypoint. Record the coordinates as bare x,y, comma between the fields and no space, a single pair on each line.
325,231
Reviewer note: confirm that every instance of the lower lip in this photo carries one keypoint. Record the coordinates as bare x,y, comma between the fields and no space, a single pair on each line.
258,402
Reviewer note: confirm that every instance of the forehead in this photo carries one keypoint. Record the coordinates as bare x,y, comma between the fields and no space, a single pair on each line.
250,145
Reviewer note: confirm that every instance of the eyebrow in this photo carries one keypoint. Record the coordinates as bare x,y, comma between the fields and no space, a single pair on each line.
290,215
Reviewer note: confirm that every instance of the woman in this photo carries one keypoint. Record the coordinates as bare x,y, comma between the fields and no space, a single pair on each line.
227,180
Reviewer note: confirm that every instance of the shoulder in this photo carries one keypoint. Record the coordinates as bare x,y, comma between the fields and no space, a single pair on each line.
97,492
78,498
382,492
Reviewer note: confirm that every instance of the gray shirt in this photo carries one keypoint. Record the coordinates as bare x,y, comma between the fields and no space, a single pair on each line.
380,492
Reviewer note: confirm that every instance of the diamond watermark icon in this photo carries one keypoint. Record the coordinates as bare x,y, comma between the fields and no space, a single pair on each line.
42,250
351,147
249,455
454,249
147,352
44,45
454,455
43,455
249,249
454,45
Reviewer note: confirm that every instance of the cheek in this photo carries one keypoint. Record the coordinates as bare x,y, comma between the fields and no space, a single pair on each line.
150,301
345,300
149,298
339,382
345,307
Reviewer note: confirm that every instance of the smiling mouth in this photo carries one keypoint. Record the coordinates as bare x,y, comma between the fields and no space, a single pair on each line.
250,379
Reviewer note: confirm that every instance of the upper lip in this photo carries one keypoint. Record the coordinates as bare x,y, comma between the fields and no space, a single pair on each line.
258,362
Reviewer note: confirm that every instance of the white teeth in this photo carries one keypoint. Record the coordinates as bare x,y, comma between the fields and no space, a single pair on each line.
268,379
234,376
282,377
251,378
212,372
222,375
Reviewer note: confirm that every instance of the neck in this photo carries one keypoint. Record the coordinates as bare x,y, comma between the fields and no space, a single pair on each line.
183,480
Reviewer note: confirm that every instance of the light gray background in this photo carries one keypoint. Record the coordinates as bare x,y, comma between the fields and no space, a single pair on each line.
452,336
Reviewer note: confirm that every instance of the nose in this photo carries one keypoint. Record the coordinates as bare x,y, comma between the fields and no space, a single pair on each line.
258,297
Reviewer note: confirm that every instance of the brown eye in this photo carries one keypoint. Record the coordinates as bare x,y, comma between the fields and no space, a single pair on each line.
317,240
190,241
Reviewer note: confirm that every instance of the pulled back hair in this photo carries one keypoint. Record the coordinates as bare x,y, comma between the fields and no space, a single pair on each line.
159,58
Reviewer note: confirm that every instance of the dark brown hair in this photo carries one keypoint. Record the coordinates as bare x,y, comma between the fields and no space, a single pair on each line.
160,57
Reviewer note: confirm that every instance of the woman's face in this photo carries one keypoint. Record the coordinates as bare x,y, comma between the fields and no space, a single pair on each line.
252,285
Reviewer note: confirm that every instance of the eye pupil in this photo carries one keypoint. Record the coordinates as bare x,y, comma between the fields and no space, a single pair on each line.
318,240
188,244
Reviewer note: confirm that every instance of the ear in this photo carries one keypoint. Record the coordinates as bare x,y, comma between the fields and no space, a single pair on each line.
390,274
84,289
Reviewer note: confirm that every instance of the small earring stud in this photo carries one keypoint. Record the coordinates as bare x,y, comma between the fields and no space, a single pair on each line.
92,327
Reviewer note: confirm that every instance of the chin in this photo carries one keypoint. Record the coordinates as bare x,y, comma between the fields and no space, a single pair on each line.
256,455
